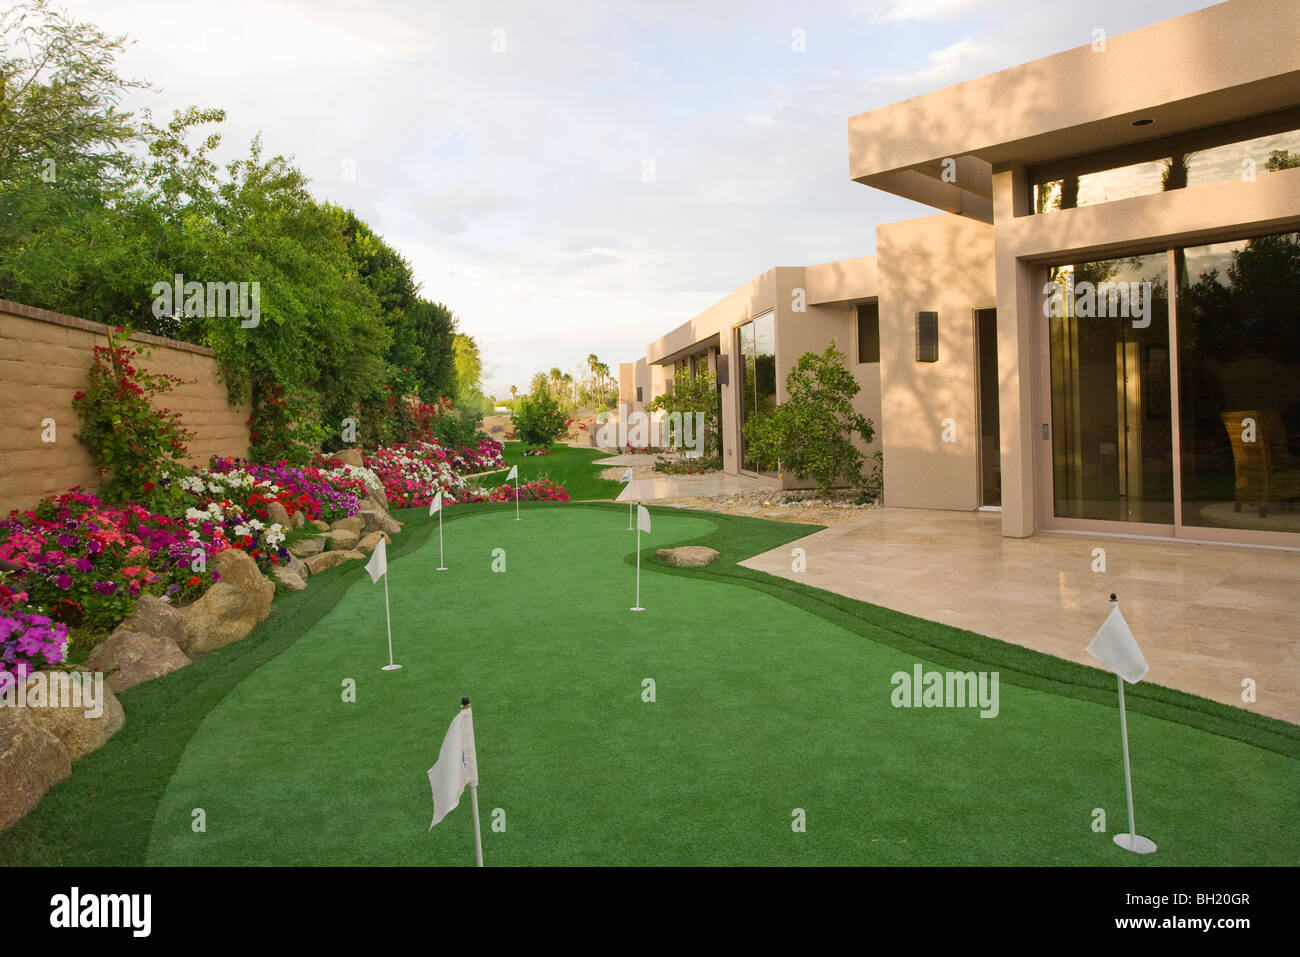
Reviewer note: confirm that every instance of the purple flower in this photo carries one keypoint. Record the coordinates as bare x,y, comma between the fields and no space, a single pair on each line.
64,581
105,588
83,564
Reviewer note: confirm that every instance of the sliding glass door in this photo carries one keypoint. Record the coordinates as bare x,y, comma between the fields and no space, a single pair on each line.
1177,418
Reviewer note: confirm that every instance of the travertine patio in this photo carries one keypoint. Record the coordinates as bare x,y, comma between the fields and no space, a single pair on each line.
1207,617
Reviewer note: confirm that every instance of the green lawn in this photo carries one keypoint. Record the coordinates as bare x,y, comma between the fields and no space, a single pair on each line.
571,467
770,696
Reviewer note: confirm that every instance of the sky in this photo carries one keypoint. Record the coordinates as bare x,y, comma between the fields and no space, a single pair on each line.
582,177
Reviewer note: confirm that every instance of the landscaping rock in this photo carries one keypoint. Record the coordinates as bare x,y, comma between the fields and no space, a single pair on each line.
375,520
341,539
289,579
299,519
240,569
277,514
687,556
79,733
371,541
296,565
225,614
325,560
32,760
378,497
350,457
352,524
307,546
153,616
318,524
129,658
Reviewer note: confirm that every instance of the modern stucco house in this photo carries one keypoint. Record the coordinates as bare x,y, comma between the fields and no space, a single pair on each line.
1100,329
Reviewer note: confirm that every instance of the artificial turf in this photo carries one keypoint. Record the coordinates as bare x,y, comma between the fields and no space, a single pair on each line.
770,696
566,464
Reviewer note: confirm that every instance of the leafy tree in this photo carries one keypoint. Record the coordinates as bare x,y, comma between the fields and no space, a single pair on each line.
811,433
689,395
540,420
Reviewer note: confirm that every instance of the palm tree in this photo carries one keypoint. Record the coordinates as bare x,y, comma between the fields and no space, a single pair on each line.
514,392
602,373
567,381
539,383
556,377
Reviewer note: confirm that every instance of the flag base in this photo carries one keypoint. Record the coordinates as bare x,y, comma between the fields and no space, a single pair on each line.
391,668
441,568
1135,843
638,608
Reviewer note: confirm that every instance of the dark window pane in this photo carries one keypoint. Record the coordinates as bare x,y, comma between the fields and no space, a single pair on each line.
869,332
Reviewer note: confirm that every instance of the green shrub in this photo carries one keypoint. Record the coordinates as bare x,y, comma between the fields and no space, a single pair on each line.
540,420
811,433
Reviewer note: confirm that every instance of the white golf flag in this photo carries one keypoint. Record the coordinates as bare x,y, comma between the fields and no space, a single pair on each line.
1116,648
642,518
626,476
436,505
514,473
456,767
378,564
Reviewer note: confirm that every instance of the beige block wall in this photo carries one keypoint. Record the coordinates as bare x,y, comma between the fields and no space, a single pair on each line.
44,361
941,263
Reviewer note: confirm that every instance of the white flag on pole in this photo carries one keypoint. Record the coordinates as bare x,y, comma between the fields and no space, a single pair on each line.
456,767
1116,648
626,476
378,564
514,473
436,505
642,518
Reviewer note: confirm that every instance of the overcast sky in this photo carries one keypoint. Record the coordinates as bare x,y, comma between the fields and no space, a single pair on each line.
503,147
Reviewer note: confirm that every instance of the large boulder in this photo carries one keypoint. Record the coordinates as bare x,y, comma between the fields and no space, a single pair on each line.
299,519
289,579
153,616
296,565
225,614
351,524
278,514
317,524
341,539
350,457
82,712
239,569
132,657
307,546
376,498
327,560
376,520
32,760
371,541
687,556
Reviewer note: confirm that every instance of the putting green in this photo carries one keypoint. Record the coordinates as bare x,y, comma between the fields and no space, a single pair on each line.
762,706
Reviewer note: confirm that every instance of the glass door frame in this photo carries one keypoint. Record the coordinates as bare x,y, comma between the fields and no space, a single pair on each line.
1045,518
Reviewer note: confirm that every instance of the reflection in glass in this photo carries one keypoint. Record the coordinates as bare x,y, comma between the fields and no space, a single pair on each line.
1239,383
756,341
1112,436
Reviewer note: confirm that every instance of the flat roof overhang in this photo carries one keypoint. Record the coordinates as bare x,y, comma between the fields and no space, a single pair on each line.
709,342
1213,66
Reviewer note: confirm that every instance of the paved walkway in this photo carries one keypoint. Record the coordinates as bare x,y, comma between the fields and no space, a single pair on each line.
1206,616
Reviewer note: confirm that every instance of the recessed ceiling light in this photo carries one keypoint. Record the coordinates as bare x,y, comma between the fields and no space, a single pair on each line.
1143,122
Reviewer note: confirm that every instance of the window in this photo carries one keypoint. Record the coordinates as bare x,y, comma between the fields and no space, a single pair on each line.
869,332
756,341
927,337
1247,148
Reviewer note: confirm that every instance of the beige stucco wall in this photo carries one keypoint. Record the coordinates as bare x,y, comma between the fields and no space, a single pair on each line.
44,359
941,263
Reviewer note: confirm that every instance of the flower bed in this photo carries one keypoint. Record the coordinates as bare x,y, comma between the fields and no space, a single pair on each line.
28,642
536,452
541,490
413,474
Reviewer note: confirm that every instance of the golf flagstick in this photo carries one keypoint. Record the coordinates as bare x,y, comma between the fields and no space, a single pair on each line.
514,474
1116,648
456,767
473,796
436,506
625,478
377,568
642,521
